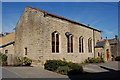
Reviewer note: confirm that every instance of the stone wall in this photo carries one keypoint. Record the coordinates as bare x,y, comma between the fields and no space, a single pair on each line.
10,49
100,51
103,51
34,30
107,46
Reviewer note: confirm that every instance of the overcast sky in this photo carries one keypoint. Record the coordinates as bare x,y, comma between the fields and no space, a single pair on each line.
102,16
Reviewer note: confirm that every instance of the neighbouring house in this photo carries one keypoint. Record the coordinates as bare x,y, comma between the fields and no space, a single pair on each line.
112,46
103,50
41,36
115,46
7,45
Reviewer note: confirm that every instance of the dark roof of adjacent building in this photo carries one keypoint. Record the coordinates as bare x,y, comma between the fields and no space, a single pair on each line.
113,41
102,43
63,18
7,44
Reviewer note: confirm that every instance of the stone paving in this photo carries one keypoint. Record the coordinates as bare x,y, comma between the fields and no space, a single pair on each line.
102,70
29,72
9,74
102,67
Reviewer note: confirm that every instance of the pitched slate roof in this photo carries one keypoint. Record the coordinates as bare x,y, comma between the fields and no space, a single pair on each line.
63,18
113,41
7,44
100,44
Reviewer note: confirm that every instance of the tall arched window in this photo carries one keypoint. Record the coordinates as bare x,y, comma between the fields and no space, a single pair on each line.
90,45
81,45
70,43
55,42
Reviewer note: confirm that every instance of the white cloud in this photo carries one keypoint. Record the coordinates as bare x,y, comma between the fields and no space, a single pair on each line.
108,32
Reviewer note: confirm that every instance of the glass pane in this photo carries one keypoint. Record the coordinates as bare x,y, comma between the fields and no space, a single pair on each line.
80,45
53,48
71,44
53,42
68,45
57,48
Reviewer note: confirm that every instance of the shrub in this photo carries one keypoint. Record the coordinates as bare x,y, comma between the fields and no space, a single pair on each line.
27,61
102,60
20,61
52,65
75,68
117,58
63,67
18,64
4,57
94,60
4,63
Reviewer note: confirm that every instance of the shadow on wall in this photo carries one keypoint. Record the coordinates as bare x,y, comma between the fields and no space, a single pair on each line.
111,75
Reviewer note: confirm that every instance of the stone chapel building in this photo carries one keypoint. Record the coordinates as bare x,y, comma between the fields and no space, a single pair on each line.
41,36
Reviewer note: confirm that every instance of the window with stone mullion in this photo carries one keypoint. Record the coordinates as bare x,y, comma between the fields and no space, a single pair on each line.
70,44
81,45
55,42
90,45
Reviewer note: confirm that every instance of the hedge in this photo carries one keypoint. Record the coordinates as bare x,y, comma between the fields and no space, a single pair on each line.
117,58
4,59
63,67
94,60
22,61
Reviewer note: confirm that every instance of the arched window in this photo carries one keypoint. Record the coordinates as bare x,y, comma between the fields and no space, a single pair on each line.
90,45
55,42
70,43
81,45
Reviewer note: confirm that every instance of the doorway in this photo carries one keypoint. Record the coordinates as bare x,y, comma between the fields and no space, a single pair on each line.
107,54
